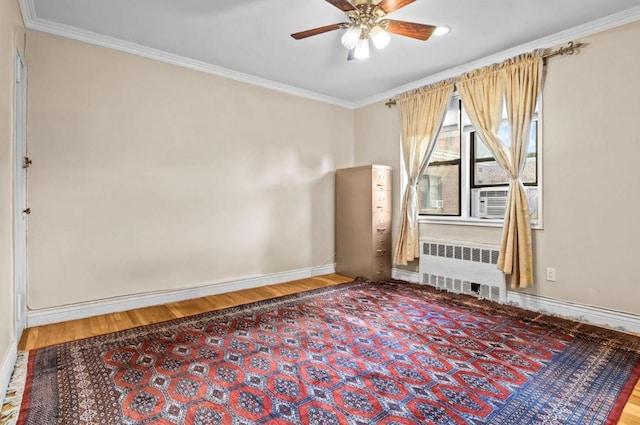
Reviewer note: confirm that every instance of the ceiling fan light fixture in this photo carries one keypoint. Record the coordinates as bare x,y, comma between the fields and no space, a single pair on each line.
351,36
442,30
367,22
362,49
379,37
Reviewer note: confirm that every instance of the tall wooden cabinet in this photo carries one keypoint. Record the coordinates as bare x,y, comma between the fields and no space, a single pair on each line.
363,222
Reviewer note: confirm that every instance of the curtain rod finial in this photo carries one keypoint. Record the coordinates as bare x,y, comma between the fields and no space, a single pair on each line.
572,48
390,103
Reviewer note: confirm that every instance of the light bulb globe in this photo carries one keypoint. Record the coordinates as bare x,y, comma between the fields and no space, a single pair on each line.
440,31
350,37
362,49
379,37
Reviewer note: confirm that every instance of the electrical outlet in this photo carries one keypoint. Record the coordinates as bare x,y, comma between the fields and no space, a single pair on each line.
551,274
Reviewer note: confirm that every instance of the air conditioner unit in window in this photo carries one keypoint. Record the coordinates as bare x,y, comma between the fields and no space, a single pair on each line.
491,202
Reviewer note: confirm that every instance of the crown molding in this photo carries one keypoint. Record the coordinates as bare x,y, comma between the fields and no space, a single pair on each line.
572,34
31,21
28,10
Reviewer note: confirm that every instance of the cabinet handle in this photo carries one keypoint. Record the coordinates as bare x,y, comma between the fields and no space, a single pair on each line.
378,273
381,250
381,229
379,207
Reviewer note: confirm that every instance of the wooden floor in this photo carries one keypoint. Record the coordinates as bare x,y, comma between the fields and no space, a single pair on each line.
42,336
57,333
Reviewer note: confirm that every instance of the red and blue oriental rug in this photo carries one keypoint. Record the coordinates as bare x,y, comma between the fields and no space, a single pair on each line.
358,353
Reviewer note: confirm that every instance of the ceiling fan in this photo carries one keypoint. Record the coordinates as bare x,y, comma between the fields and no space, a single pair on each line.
367,20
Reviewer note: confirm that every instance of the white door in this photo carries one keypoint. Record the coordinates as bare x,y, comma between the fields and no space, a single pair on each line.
21,211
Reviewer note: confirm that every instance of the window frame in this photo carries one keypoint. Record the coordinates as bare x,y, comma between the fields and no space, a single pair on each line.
458,162
472,160
466,180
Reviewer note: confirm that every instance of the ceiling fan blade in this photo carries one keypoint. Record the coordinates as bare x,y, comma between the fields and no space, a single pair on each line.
389,6
316,31
352,54
410,29
343,5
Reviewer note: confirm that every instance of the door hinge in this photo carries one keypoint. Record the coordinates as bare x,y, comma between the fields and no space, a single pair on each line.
27,162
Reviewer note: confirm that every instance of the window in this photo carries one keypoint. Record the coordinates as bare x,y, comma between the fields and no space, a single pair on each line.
463,177
486,171
440,183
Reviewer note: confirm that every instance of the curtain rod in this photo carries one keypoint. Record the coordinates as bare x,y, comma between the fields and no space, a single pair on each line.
571,49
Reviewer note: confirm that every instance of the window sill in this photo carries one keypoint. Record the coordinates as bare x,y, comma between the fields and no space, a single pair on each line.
471,221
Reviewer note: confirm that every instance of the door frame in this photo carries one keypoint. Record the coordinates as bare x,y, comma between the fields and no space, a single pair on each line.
20,197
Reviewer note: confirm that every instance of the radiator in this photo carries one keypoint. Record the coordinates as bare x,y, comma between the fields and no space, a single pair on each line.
463,269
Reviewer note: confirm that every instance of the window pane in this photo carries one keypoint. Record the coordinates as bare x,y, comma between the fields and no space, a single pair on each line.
487,172
439,186
440,190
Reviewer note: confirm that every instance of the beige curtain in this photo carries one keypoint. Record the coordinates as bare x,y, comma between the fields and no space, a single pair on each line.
483,92
422,112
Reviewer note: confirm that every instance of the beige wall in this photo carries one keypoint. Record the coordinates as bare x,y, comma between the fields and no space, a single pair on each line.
591,169
377,141
11,38
152,177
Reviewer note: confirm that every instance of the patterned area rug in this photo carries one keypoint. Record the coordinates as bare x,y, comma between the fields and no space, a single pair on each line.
357,353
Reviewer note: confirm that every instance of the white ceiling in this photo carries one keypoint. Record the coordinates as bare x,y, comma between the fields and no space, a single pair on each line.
249,39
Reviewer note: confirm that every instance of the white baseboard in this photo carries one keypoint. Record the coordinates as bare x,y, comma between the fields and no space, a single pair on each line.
7,369
406,275
130,302
322,270
596,315
580,312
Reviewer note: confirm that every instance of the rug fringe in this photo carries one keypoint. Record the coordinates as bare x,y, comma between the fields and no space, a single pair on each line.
13,399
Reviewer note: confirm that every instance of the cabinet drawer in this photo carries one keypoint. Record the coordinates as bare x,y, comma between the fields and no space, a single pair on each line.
381,268
381,179
381,201
381,245
381,222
